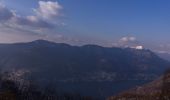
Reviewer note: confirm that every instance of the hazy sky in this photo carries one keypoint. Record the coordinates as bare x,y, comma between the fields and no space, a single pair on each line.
103,22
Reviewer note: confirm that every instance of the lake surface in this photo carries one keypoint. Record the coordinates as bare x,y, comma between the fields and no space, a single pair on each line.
98,89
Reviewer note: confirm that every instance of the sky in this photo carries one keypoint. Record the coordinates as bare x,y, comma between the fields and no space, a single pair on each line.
78,22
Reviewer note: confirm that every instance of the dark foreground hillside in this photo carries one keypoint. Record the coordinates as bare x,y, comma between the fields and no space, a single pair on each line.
156,90
11,90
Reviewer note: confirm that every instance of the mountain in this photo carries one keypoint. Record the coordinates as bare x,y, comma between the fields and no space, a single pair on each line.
165,56
158,89
90,69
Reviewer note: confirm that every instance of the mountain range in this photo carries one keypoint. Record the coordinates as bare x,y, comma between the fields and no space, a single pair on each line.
89,70
165,56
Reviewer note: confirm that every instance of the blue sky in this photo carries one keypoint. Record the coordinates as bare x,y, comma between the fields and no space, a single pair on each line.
103,22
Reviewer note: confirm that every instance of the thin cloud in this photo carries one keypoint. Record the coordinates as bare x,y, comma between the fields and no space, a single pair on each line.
127,41
40,24
48,10
41,18
5,13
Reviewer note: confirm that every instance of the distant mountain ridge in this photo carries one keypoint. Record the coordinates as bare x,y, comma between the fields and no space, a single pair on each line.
48,62
165,56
